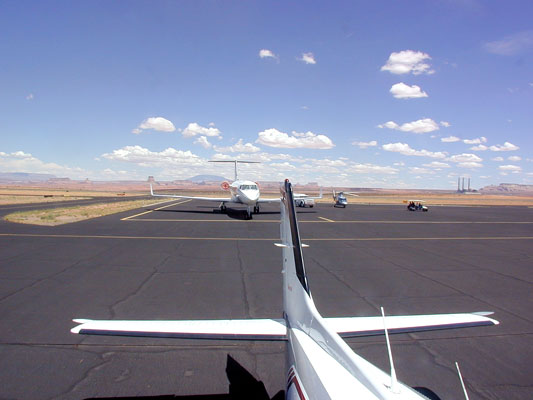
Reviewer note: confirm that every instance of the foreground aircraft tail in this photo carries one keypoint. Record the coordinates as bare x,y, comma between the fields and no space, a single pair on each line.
321,364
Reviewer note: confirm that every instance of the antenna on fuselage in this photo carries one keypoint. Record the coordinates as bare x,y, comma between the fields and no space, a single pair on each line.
235,162
461,379
394,382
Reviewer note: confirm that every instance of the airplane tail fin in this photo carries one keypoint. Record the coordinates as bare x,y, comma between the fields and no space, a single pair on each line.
235,162
290,235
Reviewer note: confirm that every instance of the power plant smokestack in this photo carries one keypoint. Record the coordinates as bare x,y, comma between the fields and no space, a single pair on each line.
463,184
459,184
469,184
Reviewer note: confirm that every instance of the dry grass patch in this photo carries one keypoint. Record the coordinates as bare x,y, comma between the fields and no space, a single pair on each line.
36,195
28,199
66,215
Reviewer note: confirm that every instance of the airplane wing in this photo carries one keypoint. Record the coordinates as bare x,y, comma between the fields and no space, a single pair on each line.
307,197
296,196
276,200
217,199
236,329
369,326
275,329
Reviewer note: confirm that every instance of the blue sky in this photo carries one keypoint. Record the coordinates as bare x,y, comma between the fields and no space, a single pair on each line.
349,93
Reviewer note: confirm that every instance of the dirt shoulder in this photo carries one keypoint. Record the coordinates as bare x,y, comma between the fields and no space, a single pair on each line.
65,215
31,195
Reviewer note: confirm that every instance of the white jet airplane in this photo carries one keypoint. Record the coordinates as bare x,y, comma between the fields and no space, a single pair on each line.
320,364
242,192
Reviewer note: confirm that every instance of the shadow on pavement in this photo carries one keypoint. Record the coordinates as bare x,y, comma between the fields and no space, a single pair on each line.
242,385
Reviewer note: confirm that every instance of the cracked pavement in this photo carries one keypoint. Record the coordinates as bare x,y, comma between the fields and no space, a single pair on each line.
108,268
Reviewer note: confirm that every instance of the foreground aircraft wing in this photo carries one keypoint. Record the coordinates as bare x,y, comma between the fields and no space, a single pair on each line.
218,199
369,326
236,329
275,329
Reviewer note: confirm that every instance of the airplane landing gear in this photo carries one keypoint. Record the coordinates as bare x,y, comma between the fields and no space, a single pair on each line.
249,212
222,208
256,209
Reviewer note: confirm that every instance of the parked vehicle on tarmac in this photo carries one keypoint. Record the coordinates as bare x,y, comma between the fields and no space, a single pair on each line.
304,202
416,205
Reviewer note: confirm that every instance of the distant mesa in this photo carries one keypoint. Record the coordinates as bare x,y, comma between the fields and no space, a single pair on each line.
12,177
207,178
507,188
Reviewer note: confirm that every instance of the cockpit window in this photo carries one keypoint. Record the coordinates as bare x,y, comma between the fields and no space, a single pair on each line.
248,187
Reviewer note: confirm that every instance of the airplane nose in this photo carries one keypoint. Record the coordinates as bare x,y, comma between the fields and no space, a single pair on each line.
254,196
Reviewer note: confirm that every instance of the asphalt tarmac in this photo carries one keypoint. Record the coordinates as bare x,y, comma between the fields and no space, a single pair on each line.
180,260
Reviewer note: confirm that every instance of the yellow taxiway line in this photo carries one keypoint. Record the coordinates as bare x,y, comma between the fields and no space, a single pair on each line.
322,221
35,235
270,221
425,222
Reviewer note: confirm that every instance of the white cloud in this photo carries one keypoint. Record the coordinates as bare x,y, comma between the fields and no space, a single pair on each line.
499,159
146,158
371,168
445,124
420,126
155,123
510,168
194,129
505,147
514,158
202,141
480,147
465,158
403,91
274,138
330,163
20,161
478,140
470,165
238,147
389,125
308,58
405,149
511,45
29,97
283,166
418,170
408,61
437,165
450,139
364,145
399,164
264,53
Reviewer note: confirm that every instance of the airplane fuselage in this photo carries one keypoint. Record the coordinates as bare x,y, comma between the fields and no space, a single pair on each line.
244,192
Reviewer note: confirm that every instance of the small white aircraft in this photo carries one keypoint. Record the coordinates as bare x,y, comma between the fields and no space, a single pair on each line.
242,192
320,364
